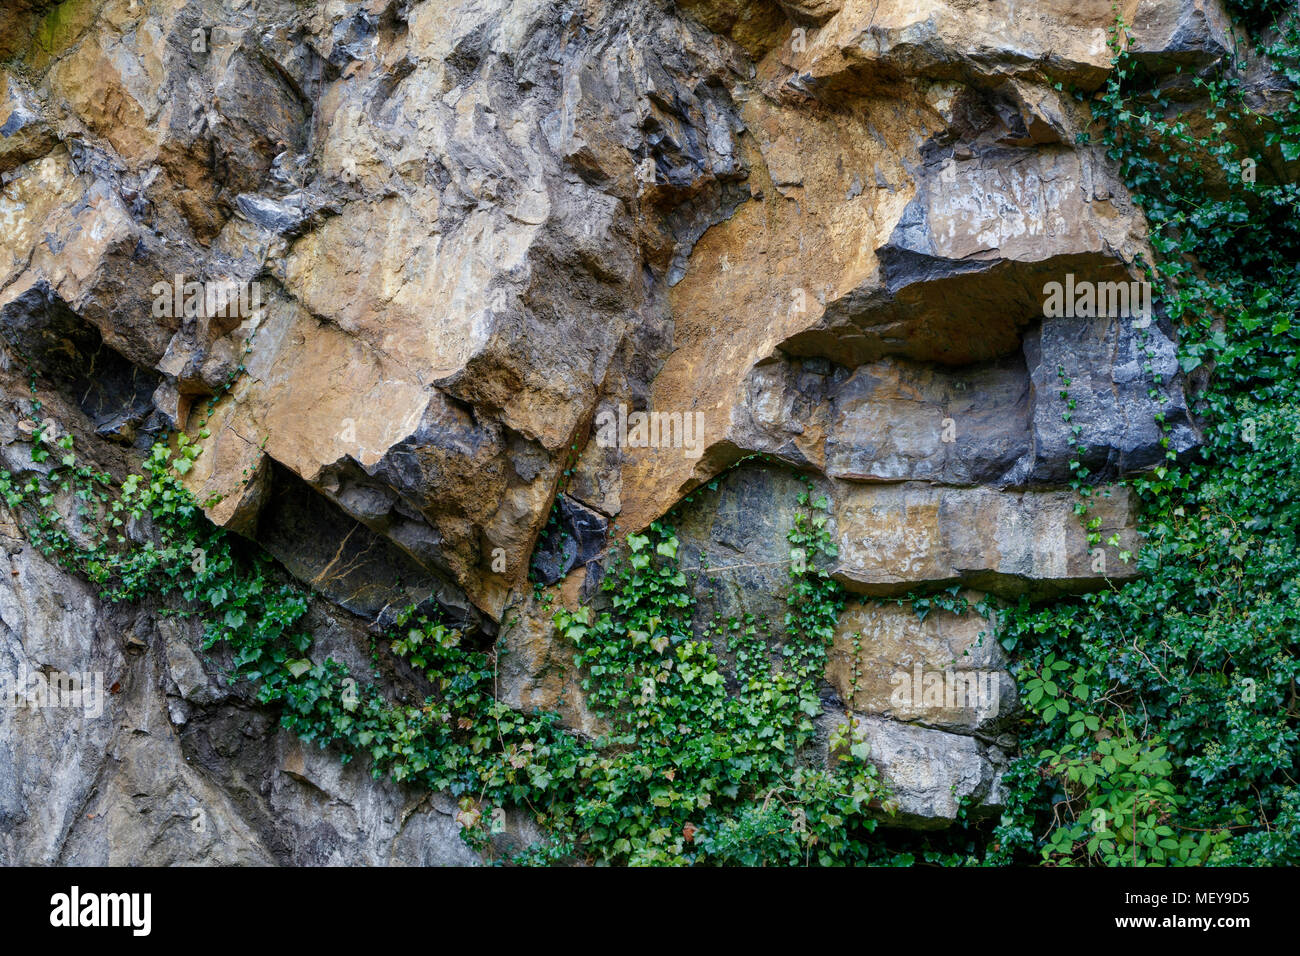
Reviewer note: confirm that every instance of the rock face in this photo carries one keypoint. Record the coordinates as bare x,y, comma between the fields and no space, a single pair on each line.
170,767
496,263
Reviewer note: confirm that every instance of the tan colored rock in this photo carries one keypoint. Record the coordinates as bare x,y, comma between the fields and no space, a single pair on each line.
18,25
892,536
74,236
535,665
24,133
119,103
461,275
872,42
955,275
1186,33
54,27
811,11
755,25
944,671
823,227
964,268
765,274
289,410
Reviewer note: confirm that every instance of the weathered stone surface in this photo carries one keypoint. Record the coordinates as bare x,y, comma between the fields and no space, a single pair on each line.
471,402
755,26
960,279
963,269
896,421
944,671
735,538
342,817
870,42
24,133
535,665
1189,33
113,393
824,227
477,282
71,234
165,763
341,557
176,769
892,536
99,785
929,771
1109,364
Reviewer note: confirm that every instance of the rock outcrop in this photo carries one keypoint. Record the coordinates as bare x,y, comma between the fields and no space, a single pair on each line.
489,261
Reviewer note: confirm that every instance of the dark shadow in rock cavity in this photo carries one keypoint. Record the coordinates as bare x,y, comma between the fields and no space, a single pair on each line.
351,565
115,394
574,536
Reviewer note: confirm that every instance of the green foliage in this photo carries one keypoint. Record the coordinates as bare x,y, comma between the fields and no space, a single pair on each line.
1260,13
1162,716
691,769
701,763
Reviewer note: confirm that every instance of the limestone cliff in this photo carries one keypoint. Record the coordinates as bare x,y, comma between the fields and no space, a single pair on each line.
482,237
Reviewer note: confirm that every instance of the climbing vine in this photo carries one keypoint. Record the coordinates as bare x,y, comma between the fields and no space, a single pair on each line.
715,772
695,763
1161,716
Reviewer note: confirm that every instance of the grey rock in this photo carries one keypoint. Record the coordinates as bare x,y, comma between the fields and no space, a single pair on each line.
1111,364
278,216
576,538
929,771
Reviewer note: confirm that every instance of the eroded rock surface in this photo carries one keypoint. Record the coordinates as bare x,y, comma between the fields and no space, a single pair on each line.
817,230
